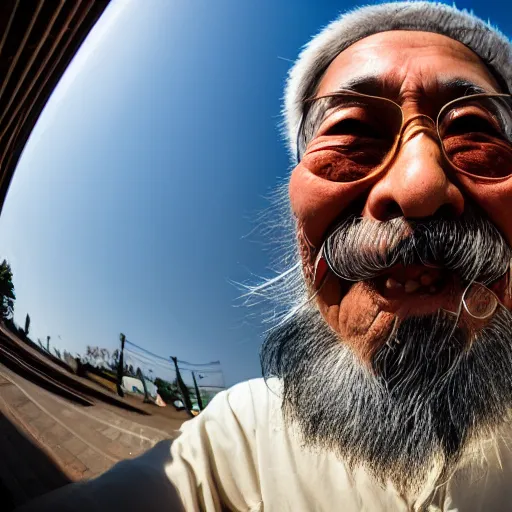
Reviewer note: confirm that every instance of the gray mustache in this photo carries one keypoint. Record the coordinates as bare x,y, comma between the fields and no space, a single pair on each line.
360,248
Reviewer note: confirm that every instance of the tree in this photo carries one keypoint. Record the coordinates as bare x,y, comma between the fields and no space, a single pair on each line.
27,324
97,356
114,359
104,356
7,296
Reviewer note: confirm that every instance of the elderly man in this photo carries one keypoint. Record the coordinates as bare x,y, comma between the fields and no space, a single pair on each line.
389,381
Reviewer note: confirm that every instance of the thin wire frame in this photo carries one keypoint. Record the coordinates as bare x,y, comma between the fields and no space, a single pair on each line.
399,135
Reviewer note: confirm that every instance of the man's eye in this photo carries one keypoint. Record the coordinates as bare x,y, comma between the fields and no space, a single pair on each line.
473,124
353,127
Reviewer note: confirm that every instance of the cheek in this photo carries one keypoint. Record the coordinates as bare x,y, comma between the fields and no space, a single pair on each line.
317,202
496,201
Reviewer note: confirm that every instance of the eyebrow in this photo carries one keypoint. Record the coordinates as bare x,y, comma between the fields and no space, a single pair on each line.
367,84
461,87
377,86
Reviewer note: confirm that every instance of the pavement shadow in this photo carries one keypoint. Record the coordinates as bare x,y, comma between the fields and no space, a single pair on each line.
26,471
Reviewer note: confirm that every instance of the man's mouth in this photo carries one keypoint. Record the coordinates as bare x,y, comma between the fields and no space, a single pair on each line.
418,289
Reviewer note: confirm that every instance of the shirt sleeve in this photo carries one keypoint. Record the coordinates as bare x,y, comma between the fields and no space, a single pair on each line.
210,467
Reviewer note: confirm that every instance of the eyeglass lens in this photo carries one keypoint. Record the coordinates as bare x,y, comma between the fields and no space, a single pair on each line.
350,137
476,136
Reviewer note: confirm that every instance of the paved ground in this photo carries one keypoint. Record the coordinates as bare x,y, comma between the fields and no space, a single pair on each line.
47,440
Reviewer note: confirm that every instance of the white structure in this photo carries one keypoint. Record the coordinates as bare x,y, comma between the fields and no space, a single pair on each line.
134,385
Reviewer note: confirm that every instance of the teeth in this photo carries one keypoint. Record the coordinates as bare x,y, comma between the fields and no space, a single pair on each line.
393,284
411,286
425,283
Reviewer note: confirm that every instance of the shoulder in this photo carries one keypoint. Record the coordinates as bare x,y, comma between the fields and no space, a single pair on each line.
257,391
250,402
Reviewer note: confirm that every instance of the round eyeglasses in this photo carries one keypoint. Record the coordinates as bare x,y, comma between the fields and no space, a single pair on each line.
363,133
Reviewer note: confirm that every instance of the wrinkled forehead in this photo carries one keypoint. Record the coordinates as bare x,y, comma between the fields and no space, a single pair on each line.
408,64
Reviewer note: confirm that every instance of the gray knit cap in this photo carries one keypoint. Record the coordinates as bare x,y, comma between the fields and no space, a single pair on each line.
493,47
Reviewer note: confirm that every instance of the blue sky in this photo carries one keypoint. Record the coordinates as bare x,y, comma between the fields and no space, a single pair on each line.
132,204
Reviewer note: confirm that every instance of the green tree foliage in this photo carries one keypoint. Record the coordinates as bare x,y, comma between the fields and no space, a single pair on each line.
27,324
7,296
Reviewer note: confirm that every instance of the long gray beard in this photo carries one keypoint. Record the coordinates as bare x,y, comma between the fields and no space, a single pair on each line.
421,401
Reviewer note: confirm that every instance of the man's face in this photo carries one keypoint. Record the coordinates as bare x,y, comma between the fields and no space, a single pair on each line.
400,379
418,71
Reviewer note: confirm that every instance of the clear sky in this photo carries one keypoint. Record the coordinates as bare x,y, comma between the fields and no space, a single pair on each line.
132,204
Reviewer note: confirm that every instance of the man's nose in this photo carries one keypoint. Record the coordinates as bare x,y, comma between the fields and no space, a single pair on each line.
416,184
